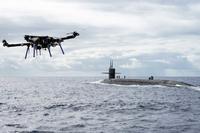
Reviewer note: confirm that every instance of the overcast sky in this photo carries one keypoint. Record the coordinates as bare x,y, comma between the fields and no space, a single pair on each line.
144,37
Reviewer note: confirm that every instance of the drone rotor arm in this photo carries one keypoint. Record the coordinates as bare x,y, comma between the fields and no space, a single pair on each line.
72,36
15,45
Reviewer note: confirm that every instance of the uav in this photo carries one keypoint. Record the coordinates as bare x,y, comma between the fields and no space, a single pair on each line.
41,42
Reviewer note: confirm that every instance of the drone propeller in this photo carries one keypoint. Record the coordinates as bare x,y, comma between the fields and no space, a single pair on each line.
74,33
5,43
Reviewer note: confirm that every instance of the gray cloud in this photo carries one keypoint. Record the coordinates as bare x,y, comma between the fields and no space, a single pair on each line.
144,37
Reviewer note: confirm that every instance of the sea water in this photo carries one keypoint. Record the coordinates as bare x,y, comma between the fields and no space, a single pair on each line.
71,104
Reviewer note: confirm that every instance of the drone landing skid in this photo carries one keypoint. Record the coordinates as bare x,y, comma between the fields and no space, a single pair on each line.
61,48
49,51
27,51
35,51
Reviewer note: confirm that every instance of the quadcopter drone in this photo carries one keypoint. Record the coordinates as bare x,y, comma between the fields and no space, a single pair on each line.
41,42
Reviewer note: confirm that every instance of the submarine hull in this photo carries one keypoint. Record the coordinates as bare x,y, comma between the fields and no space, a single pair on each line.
169,83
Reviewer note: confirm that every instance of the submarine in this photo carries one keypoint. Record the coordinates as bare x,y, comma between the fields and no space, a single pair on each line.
150,81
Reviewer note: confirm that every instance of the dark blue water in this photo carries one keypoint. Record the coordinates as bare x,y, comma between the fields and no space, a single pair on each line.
60,105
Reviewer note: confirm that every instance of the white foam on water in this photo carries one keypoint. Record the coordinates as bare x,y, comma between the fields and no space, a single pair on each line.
96,82
178,85
197,88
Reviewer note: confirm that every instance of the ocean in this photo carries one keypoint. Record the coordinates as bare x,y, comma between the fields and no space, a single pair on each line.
72,104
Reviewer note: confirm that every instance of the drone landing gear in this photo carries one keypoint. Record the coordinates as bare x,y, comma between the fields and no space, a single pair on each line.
61,48
34,50
49,51
27,51
37,51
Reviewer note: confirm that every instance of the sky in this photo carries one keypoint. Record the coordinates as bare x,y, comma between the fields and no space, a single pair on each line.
143,37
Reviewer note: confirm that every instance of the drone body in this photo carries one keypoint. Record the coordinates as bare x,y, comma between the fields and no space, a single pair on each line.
41,42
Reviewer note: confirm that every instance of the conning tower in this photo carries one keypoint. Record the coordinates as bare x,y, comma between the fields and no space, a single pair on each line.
111,71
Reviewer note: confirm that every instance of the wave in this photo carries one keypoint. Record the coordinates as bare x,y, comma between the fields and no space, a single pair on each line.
197,88
36,131
73,107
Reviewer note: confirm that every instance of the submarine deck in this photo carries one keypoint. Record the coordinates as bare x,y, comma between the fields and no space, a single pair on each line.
145,82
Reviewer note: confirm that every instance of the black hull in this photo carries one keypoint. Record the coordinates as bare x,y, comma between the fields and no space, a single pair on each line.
169,83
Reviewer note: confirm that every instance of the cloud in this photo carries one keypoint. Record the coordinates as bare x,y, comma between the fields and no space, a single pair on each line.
143,37
134,64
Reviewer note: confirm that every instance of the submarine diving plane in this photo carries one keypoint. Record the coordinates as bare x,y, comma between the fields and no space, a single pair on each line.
41,42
